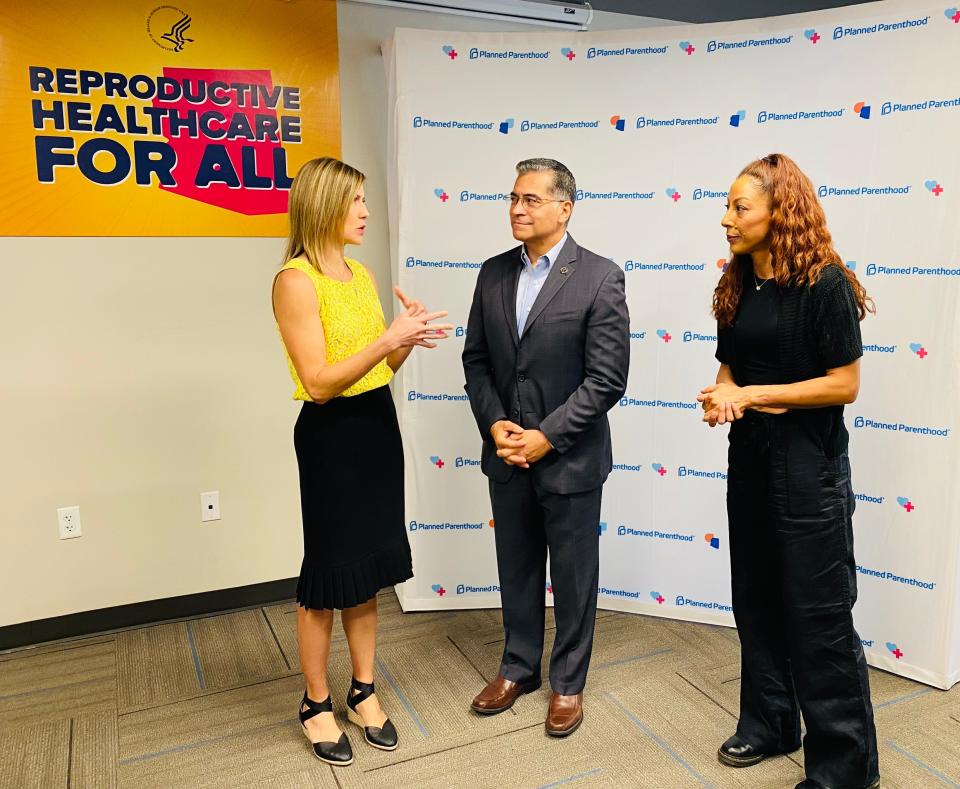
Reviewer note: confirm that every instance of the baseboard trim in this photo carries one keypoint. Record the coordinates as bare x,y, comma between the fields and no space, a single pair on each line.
122,616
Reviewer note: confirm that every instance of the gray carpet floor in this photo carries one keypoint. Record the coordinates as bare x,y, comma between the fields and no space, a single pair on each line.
211,702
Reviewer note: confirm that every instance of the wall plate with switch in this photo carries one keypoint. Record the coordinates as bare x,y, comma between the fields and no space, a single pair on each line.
210,506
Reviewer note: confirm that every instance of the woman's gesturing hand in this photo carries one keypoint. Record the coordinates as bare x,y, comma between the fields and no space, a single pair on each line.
413,326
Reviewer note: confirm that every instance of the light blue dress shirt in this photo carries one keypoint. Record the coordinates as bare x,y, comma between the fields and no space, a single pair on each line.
532,279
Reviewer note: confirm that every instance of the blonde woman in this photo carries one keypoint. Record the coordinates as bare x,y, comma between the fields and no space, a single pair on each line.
350,458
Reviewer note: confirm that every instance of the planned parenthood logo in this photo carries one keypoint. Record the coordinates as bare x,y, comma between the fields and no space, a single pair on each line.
421,263
414,396
864,423
894,107
695,473
840,31
639,265
444,527
622,52
419,122
564,125
771,116
877,348
508,54
673,405
865,190
647,122
586,194
708,194
692,336
470,589
653,534
466,196
749,43
877,270
886,575
681,600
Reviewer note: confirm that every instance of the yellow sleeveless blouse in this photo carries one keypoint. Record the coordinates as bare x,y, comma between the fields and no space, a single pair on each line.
352,318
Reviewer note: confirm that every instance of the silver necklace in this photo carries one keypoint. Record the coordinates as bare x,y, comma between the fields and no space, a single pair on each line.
757,283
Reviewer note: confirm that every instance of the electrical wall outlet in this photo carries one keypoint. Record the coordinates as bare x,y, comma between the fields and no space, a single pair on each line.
68,522
210,506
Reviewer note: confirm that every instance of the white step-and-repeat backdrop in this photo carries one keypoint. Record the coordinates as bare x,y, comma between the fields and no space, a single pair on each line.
655,124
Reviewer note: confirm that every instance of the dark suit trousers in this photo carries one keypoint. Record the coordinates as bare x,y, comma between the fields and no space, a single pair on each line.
529,521
794,585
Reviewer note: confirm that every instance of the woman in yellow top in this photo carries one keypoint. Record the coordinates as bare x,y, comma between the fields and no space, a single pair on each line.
347,441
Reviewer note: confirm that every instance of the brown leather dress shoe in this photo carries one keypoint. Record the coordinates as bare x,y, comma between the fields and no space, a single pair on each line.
500,694
565,714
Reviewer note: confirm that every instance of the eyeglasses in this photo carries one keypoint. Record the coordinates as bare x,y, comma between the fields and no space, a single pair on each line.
532,202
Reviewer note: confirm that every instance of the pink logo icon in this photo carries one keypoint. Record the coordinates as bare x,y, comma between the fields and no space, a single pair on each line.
439,589
904,502
659,469
687,47
450,52
568,53
437,461
895,650
812,36
664,335
659,598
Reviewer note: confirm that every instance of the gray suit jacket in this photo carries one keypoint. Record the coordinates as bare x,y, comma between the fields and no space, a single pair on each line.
562,376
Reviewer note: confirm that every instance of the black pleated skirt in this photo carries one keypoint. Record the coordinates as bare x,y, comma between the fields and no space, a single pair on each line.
350,458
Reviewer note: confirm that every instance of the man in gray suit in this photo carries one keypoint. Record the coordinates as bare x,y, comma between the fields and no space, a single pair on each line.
545,358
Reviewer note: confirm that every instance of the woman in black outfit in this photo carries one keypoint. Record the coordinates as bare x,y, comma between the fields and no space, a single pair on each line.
788,343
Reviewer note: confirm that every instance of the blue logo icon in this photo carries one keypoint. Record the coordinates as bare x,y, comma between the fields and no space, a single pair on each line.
602,528
737,118
506,125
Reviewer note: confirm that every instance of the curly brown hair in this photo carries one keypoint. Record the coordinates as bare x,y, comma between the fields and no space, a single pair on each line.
800,244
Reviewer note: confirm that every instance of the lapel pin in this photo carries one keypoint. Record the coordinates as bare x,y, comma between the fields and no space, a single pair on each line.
564,270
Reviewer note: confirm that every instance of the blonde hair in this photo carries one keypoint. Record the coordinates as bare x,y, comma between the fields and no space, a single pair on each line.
319,201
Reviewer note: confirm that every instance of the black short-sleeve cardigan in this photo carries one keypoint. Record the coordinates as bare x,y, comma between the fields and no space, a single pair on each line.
818,330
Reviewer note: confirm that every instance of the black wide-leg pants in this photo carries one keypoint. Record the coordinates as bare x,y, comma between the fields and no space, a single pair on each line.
790,510
528,521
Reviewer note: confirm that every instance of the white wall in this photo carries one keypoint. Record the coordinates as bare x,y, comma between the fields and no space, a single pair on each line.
137,373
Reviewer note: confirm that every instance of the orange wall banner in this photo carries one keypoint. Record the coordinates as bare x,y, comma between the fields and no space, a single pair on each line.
138,119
